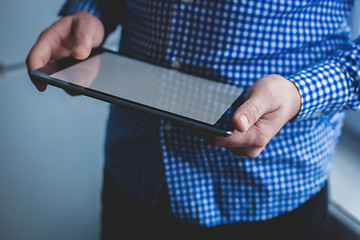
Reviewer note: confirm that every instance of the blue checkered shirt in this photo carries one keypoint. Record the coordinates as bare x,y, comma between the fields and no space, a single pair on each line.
237,42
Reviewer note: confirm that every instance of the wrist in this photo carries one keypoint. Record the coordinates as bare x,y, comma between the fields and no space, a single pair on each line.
293,97
286,94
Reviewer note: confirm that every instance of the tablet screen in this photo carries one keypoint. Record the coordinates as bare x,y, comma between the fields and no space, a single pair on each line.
154,86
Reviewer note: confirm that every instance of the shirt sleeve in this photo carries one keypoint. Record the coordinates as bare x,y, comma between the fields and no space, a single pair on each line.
330,86
109,12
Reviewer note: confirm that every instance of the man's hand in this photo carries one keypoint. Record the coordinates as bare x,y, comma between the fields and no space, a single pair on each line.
73,35
270,103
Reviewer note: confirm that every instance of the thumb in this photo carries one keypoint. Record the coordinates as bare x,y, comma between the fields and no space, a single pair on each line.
250,112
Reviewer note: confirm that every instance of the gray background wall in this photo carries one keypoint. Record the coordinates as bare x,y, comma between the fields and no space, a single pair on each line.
51,144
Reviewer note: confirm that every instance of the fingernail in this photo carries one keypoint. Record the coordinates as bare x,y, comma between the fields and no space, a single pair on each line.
244,121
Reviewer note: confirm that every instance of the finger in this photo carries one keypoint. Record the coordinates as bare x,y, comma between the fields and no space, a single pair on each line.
39,56
250,112
209,137
243,144
33,62
72,93
246,152
50,45
40,53
82,46
88,33
251,146
247,139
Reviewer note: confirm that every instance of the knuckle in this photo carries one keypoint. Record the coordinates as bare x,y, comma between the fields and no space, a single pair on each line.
92,21
66,18
45,33
254,111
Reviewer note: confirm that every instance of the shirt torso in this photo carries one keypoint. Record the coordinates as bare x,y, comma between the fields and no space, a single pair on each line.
236,42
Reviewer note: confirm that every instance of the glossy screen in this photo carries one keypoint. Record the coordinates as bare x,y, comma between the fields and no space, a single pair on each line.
150,85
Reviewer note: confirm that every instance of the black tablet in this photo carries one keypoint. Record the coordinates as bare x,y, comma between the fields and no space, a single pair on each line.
191,100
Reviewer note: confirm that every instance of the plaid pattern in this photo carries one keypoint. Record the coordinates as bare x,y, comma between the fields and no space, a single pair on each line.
236,42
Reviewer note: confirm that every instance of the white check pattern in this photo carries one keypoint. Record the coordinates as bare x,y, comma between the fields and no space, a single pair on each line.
236,42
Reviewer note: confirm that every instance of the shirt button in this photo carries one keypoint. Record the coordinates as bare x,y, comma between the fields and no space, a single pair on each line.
168,126
176,64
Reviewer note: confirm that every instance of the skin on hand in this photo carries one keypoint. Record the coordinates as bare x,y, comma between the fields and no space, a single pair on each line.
270,103
74,35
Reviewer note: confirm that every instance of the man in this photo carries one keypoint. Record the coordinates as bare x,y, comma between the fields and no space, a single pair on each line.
268,180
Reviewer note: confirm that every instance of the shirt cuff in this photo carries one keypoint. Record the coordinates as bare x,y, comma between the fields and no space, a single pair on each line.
323,89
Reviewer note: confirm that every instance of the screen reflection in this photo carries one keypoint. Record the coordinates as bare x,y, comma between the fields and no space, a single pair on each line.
161,88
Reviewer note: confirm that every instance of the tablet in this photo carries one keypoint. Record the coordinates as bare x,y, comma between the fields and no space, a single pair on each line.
191,100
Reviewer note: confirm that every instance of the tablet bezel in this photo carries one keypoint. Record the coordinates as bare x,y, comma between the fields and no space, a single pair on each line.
43,74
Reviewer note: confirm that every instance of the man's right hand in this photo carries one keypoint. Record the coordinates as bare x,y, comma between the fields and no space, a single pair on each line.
74,35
